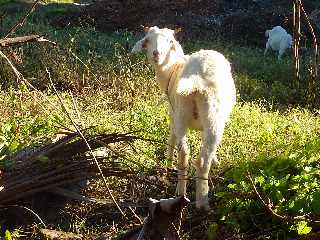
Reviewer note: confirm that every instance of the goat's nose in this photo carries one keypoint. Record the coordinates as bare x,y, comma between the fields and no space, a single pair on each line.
155,53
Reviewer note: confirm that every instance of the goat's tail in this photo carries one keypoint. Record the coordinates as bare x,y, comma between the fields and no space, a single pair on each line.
267,33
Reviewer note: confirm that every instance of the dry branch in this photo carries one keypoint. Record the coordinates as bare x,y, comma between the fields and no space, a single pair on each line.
9,42
22,21
87,145
73,195
55,165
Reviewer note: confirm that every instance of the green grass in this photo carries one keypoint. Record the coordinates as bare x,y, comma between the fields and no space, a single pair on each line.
270,133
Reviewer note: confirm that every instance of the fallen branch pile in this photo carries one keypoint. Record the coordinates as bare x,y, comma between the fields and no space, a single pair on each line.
56,164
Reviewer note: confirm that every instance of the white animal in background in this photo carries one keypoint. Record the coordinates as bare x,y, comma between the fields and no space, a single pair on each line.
278,40
201,95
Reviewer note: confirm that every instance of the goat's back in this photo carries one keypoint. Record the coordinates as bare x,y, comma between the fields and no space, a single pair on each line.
208,72
279,38
277,30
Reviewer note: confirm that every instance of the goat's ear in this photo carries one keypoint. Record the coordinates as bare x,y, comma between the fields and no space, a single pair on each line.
171,205
145,28
152,200
184,201
153,205
139,46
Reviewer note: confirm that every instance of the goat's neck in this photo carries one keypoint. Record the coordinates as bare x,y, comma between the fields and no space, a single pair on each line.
168,72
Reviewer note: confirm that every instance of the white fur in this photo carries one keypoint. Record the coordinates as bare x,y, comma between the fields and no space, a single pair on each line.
278,40
201,95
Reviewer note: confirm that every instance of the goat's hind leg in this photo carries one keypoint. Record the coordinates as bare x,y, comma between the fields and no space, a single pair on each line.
211,137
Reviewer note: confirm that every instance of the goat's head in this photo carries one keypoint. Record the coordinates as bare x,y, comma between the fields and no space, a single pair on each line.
163,215
158,44
159,225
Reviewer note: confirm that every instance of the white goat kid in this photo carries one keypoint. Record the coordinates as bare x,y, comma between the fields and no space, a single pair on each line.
201,95
278,40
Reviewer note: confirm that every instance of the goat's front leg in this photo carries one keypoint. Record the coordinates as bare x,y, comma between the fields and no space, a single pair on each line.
171,145
281,52
183,155
267,47
211,137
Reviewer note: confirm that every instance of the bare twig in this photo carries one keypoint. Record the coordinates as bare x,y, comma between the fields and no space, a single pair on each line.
86,142
44,96
16,72
23,19
75,107
28,210
314,38
296,42
312,91
9,42
135,215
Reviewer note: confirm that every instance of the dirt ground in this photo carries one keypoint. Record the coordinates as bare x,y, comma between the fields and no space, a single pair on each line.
239,21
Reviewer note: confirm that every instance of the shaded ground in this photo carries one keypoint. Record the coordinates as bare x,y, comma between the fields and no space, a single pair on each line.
242,21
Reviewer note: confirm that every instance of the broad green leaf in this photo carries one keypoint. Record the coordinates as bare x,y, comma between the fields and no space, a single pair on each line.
291,204
260,180
232,186
7,235
303,228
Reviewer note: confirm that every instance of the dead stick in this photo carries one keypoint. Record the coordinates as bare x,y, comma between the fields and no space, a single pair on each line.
16,72
33,191
135,215
23,19
25,208
9,42
82,136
